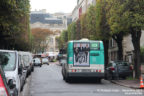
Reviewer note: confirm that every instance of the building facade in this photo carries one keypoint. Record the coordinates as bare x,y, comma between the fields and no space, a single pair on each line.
56,22
127,48
81,8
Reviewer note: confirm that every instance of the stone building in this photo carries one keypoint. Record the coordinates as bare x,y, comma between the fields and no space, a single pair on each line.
81,8
127,48
56,22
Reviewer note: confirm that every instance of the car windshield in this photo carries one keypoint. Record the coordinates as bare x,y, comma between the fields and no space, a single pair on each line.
37,60
7,60
44,59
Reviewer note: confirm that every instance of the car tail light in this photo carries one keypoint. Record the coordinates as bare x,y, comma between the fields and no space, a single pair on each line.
112,68
131,68
73,70
3,91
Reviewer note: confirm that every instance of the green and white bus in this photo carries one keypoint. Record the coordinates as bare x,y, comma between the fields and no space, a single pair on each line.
85,58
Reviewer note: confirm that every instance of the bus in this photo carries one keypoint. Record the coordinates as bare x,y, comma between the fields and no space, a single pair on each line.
85,58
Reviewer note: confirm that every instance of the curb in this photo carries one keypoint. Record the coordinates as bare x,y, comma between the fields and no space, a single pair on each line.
112,81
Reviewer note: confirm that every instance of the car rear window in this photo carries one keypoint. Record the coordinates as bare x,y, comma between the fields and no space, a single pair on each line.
123,63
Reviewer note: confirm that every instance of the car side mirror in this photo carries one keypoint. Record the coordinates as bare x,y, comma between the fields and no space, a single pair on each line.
33,61
10,84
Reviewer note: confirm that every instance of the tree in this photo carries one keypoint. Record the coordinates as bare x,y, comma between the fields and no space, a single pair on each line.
72,31
135,22
116,22
127,16
14,24
40,39
102,27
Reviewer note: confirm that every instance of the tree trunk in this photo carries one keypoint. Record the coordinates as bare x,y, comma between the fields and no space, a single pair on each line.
119,39
136,35
120,50
106,45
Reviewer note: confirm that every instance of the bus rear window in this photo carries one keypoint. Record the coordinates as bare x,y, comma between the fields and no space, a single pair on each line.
95,46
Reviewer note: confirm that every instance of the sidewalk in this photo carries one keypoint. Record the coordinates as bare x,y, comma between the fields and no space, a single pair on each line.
135,84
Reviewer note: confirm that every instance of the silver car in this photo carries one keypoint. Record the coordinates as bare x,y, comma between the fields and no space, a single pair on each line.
118,69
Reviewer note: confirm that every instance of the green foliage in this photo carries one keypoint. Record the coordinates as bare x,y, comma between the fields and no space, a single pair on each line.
72,31
14,24
91,22
62,40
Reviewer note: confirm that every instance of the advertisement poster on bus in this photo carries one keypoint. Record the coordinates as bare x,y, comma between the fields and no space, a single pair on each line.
81,54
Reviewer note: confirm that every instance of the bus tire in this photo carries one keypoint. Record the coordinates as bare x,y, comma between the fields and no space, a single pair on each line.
64,77
99,80
67,79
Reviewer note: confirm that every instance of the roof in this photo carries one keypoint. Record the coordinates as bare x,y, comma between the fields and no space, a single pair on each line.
85,40
8,50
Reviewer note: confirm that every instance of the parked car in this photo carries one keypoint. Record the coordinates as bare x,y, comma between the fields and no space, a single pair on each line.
10,64
4,88
23,70
45,61
52,56
118,69
28,62
62,61
37,62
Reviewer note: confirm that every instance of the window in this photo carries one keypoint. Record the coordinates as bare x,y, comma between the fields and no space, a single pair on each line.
7,60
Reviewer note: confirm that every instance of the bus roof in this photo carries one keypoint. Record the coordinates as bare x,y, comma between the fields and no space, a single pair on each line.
83,40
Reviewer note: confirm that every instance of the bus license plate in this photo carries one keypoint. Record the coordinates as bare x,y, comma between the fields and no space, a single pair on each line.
86,70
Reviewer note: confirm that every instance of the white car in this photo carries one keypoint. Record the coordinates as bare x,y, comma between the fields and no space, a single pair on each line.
37,62
45,61
10,63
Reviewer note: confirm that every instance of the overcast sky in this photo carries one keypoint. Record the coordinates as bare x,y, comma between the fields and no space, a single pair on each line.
53,6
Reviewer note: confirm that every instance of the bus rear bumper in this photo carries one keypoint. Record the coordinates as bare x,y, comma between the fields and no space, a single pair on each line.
92,74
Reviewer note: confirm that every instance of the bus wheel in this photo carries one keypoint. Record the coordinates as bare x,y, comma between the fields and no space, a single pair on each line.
67,79
99,80
63,77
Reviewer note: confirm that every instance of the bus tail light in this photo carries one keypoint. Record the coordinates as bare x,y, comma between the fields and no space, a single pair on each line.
99,70
131,68
73,70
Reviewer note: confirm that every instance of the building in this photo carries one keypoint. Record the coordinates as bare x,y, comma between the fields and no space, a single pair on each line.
127,48
81,8
56,22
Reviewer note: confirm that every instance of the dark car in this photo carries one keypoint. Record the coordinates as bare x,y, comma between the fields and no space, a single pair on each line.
37,62
6,89
118,69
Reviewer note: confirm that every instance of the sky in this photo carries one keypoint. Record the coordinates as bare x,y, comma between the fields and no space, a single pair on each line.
53,6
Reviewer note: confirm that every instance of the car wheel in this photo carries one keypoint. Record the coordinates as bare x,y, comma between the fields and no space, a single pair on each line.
67,79
99,80
33,69
109,76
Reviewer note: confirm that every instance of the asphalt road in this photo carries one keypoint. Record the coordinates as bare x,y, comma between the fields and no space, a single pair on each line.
47,81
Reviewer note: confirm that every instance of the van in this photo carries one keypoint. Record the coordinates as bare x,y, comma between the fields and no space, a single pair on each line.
28,62
12,67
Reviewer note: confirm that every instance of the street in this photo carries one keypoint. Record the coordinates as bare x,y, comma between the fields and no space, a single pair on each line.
47,81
